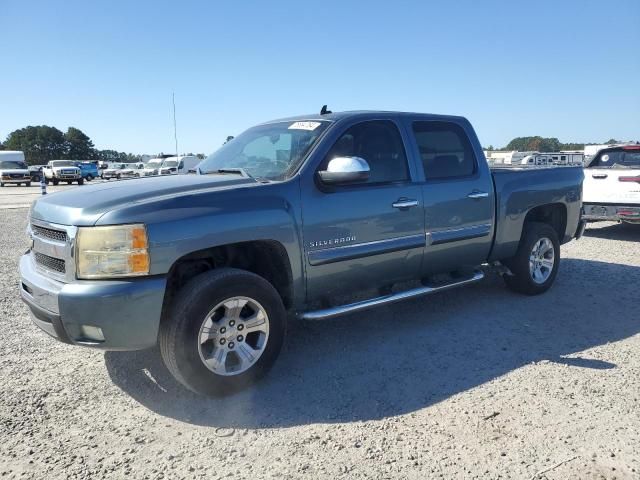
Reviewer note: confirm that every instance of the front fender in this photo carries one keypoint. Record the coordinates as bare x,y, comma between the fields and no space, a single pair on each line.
182,225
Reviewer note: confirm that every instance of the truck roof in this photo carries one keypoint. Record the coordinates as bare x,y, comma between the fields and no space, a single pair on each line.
365,114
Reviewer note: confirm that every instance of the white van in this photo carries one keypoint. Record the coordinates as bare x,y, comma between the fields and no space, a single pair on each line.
179,165
13,169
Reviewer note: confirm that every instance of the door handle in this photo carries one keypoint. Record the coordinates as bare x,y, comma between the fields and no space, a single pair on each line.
476,195
404,203
599,176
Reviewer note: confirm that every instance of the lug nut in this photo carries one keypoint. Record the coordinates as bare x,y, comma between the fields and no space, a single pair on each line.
223,329
232,323
222,341
240,338
240,327
231,345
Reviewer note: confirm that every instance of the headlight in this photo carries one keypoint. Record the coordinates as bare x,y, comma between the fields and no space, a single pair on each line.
113,251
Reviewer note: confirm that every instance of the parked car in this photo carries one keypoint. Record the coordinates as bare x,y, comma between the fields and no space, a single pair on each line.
151,168
89,170
13,169
286,221
612,185
118,171
57,171
179,165
35,172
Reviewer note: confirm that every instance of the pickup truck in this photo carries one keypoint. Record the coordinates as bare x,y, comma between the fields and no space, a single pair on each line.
612,185
291,219
57,171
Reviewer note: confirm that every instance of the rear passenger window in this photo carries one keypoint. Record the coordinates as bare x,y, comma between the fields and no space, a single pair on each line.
380,144
445,150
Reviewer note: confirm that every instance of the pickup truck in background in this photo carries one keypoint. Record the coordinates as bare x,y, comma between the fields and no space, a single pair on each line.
289,220
612,185
57,171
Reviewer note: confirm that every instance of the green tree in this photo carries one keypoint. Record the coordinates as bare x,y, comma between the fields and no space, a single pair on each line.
39,144
78,145
612,141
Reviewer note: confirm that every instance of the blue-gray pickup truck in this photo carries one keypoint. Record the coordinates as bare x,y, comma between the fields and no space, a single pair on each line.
293,218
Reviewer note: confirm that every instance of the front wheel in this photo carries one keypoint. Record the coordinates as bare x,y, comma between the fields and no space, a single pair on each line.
224,331
55,182
28,184
535,264
81,181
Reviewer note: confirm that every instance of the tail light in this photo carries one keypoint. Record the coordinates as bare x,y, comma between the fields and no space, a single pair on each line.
635,179
628,213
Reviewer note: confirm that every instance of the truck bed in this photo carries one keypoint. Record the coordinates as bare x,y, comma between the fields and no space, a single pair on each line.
519,188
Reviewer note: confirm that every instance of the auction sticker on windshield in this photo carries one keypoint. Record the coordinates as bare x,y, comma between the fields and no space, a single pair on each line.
304,126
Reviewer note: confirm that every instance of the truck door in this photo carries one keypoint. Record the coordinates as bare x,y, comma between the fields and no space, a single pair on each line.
458,196
368,234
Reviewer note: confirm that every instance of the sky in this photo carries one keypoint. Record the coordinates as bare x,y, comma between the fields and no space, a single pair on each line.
568,69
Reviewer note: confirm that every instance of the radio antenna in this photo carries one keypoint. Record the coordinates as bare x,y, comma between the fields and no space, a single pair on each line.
175,129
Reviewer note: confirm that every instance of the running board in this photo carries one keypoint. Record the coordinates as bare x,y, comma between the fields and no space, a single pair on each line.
385,299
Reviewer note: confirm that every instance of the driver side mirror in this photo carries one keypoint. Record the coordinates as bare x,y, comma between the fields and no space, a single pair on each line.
342,170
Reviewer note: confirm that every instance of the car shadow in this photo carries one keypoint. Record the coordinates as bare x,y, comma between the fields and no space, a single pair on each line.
404,357
624,232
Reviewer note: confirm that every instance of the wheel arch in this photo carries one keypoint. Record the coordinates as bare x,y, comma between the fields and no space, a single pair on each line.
267,258
553,214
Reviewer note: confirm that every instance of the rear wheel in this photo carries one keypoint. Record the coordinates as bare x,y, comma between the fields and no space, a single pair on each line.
224,331
535,264
89,177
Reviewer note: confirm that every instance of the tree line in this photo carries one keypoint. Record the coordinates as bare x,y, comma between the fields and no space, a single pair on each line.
545,144
43,143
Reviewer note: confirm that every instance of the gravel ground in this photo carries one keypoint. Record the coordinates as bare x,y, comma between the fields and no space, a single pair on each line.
473,383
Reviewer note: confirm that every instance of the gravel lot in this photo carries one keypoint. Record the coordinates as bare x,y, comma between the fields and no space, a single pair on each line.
473,383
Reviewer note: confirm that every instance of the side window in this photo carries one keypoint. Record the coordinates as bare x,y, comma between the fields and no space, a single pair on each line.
445,150
380,144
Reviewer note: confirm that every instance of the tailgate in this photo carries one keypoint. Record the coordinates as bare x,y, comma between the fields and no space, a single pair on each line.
611,185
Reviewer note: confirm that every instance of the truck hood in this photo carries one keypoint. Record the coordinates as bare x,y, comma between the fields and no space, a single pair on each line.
85,205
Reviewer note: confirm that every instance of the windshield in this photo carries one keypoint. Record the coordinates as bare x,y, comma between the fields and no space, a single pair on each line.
170,163
62,163
7,165
154,163
271,151
617,159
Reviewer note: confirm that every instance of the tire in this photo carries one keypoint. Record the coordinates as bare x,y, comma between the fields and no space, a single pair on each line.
89,177
1,184
527,278
81,181
28,184
183,353
118,177
55,181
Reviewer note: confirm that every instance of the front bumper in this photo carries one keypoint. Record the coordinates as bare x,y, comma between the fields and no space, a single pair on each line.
15,180
126,311
592,212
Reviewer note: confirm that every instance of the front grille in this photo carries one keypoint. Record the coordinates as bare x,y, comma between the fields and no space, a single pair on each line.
50,263
51,234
